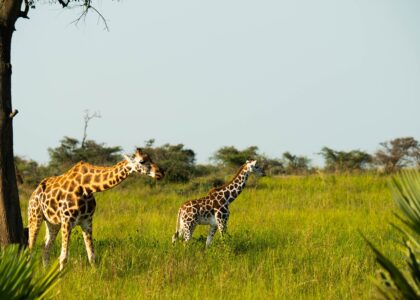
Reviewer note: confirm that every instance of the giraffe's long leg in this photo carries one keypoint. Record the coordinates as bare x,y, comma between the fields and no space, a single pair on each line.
210,236
178,230
65,238
221,221
51,234
87,236
188,230
34,221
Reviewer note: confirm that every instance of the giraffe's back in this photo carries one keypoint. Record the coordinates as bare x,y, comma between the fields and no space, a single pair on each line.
200,211
60,198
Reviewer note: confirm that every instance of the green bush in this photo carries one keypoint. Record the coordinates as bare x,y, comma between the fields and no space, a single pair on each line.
296,164
177,162
337,161
29,172
231,157
71,151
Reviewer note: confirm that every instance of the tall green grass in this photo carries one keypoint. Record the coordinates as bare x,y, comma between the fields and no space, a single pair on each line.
290,238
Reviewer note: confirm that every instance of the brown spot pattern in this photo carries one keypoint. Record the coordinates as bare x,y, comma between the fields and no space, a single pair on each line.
67,200
212,210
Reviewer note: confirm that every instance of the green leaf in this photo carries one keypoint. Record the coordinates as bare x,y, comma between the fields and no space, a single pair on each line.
395,274
396,285
18,278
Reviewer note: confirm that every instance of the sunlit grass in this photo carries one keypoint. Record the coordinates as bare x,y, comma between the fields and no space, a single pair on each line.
290,237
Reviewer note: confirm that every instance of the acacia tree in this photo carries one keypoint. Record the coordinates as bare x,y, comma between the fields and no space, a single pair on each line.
71,151
398,153
345,161
177,161
11,227
232,157
296,164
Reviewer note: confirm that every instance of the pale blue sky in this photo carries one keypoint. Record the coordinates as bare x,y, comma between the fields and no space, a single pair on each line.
282,75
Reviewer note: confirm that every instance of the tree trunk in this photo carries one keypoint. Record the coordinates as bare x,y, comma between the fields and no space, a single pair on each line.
11,227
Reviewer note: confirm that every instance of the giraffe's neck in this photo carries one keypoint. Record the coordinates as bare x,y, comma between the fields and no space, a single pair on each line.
232,189
97,179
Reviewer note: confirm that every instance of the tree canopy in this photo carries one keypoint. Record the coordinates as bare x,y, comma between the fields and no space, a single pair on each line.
398,153
345,160
232,157
70,151
295,164
177,162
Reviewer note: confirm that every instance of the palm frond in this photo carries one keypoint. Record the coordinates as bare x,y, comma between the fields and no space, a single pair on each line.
18,279
396,276
396,283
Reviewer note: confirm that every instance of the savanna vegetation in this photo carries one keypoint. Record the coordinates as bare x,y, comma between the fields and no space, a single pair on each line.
294,234
180,165
290,237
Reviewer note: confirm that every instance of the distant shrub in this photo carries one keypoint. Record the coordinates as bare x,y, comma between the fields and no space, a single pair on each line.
29,172
345,161
231,157
398,153
71,151
205,170
177,162
271,166
294,164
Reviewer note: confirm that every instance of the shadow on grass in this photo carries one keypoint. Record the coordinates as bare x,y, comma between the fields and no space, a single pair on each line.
248,243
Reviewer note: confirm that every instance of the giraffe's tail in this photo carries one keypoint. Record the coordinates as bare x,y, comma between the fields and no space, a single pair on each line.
176,234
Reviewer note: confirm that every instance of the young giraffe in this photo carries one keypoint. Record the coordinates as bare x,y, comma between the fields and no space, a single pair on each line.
213,209
67,200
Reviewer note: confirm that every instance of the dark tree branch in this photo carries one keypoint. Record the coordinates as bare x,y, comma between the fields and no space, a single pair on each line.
87,5
24,13
64,3
13,114
100,17
88,117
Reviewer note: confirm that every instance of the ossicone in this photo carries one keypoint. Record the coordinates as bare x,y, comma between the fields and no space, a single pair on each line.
139,151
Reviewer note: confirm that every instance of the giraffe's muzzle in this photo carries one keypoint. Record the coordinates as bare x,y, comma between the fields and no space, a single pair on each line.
158,174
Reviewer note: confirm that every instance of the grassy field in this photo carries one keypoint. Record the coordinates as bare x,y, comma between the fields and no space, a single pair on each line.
290,238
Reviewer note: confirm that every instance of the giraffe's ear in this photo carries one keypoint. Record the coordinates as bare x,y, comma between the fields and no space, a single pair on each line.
127,158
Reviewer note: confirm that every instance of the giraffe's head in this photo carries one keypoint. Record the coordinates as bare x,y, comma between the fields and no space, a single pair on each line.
142,163
253,167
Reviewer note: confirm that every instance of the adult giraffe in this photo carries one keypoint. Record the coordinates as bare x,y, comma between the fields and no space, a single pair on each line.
67,200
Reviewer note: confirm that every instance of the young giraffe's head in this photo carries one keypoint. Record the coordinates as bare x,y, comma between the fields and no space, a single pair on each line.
142,163
252,166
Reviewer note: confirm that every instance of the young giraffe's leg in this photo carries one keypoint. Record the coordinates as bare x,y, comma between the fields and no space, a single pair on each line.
34,221
210,236
221,221
87,236
188,230
51,233
179,234
65,238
